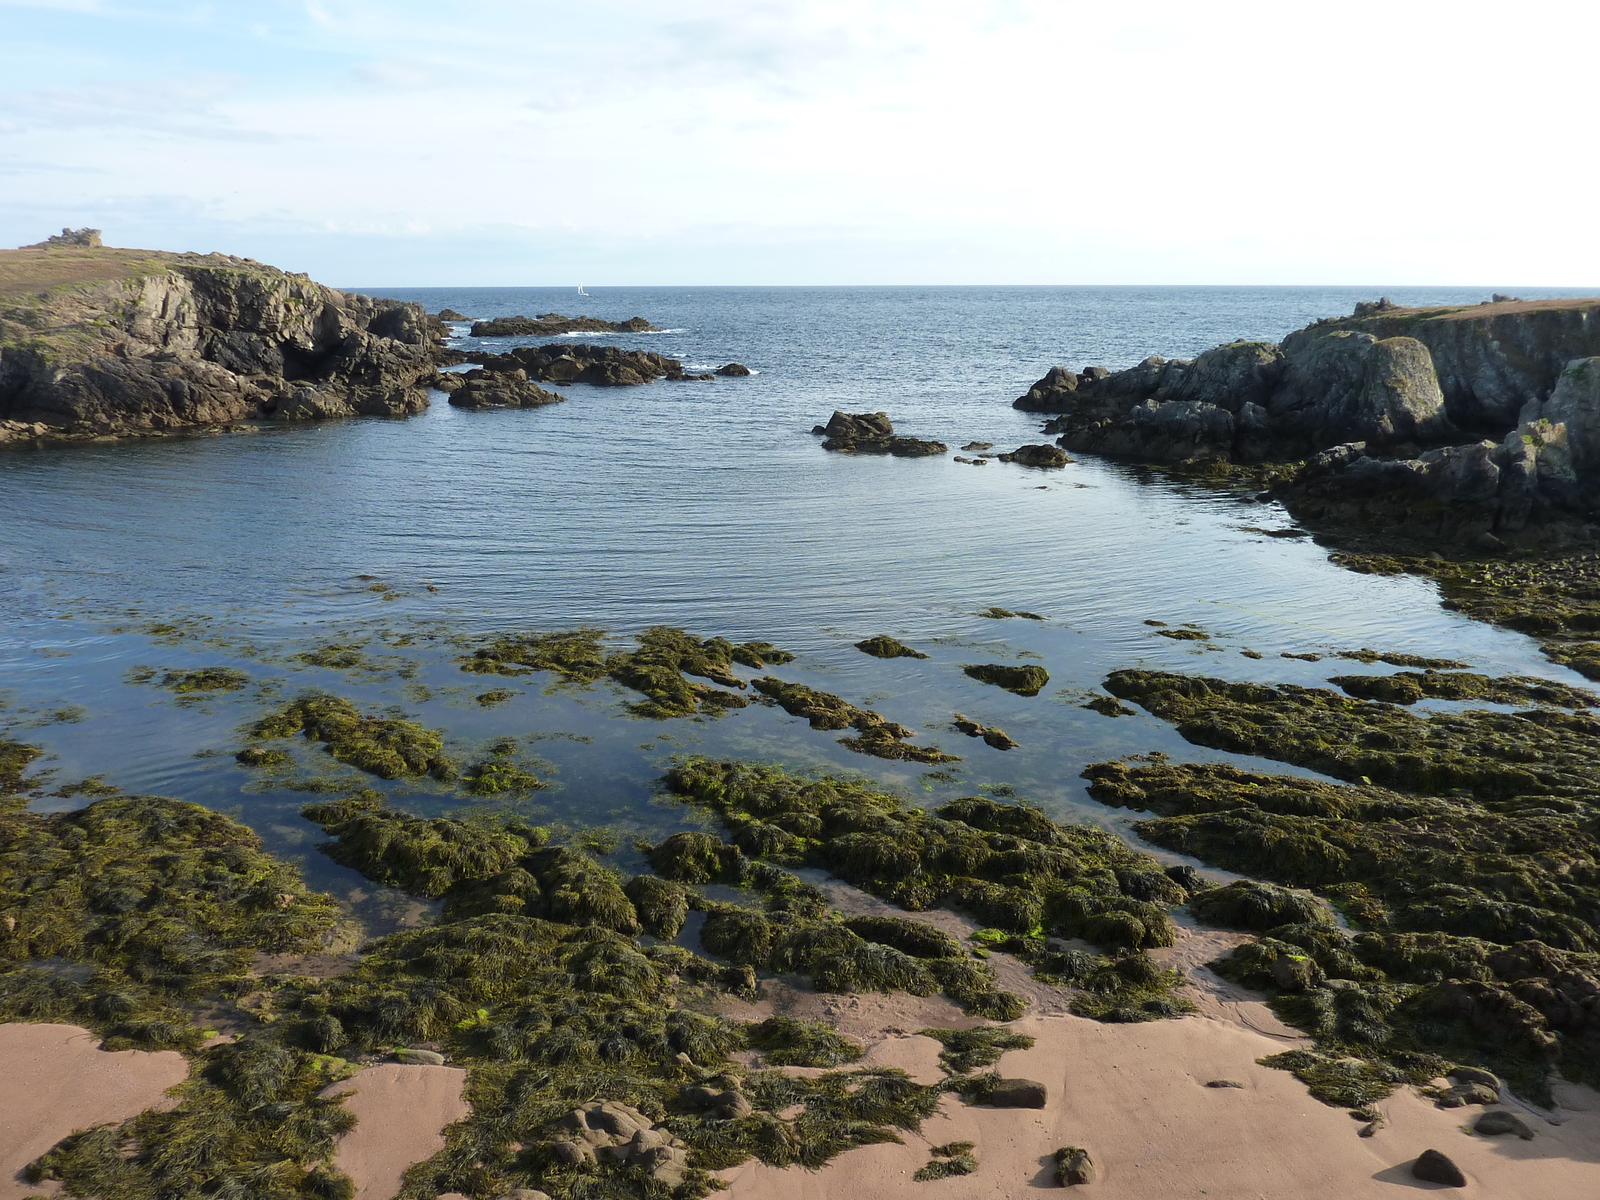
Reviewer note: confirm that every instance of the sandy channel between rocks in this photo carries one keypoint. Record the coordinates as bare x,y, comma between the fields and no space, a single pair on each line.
1135,1097
401,1112
55,1079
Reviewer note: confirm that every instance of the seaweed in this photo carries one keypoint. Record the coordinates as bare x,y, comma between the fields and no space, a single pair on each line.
205,679
884,646
663,906
992,735
823,710
788,1042
15,758
1024,681
1407,687
656,668
1006,863
968,1050
388,747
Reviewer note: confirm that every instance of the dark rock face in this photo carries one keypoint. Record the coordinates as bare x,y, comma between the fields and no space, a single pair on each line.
184,340
604,366
1433,1167
553,325
1037,456
734,370
872,433
1018,1093
501,389
450,314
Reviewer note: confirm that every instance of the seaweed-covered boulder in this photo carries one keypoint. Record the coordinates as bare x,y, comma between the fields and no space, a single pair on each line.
884,646
1248,904
1073,1166
1037,456
1017,1093
1433,1167
1024,681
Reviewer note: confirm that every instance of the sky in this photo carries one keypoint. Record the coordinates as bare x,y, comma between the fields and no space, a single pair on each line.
618,142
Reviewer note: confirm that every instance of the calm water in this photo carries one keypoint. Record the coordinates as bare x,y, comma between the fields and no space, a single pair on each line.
705,505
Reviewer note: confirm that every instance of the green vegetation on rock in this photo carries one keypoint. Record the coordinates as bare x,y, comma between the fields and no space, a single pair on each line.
884,646
388,747
1024,681
874,735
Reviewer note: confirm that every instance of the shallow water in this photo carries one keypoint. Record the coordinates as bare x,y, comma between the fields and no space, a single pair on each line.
705,505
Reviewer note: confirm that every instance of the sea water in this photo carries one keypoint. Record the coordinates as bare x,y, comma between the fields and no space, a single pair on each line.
705,505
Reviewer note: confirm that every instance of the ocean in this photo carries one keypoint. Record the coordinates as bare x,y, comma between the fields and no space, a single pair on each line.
708,506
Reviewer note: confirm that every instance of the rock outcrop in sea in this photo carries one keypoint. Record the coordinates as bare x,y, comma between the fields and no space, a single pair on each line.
1467,423
554,324
98,341
872,433
577,362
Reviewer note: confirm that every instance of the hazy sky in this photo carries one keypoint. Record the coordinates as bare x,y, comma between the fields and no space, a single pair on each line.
868,141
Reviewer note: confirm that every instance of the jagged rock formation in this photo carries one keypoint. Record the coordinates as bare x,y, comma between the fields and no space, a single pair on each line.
872,433
607,366
97,341
1473,424
554,324
499,389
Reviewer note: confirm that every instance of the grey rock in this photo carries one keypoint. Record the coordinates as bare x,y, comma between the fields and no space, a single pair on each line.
1498,1121
1343,385
1433,1167
1230,376
1469,1093
1466,1074
859,426
734,370
1018,1093
570,1153
502,389
428,1058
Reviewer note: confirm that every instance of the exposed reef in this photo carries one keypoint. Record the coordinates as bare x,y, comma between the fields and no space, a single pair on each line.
501,389
872,433
1467,424
874,734
578,362
657,668
884,646
1464,851
554,324
96,341
1024,681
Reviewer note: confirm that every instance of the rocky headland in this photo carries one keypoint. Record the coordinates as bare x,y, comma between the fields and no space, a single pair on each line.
1474,425
97,341
554,324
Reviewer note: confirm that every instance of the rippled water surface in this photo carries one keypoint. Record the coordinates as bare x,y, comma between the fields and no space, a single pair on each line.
704,505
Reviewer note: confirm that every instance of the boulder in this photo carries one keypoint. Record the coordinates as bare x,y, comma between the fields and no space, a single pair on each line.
1464,1074
450,314
1037,456
1230,376
1343,385
1073,1166
1433,1167
734,370
501,389
1498,1121
858,426
554,324
424,1058
1017,1093
1469,1093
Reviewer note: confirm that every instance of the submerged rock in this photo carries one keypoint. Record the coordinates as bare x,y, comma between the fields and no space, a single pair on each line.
991,735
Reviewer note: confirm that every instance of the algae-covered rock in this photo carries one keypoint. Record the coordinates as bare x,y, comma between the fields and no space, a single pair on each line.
884,646
874,734
993,736
1073,1166
1248,904
1024,681
384,746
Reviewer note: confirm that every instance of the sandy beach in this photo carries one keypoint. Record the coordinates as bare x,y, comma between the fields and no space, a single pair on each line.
55,1079
402,1110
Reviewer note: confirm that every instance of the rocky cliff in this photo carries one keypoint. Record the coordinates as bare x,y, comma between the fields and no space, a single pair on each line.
1478,423
97,341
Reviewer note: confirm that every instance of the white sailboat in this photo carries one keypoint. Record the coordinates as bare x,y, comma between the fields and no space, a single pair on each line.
581,292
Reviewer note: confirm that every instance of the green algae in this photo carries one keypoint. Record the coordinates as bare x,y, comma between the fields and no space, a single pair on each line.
1401,660
1489,754
788,1042
874,735
337,656
1007,864
1184,635
388,747
945,1166
1024,681
15,758
656,668
1472,877
884,646
968,1050
205,679
1408,687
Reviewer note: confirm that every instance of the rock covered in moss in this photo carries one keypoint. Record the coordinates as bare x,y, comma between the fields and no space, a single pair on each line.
875,734
388,747
992,736
1024,681
884,646
1073,1166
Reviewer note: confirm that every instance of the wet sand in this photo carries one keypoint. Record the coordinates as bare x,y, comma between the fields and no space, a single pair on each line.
402,1111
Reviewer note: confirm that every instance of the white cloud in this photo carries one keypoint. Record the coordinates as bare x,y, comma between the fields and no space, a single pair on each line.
1068,142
